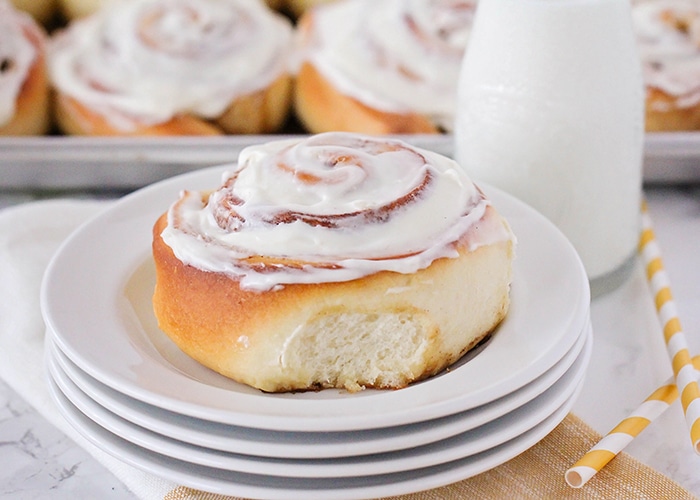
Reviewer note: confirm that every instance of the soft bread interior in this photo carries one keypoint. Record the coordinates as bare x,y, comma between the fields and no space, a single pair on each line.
359,349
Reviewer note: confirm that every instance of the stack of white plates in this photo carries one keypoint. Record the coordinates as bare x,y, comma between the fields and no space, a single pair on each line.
130,391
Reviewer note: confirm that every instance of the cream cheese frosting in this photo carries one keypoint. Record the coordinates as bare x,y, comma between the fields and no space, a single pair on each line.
393,55
149,60
668,37
17,54
331,207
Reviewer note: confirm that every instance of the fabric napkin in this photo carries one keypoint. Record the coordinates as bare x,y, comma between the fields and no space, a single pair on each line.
31,233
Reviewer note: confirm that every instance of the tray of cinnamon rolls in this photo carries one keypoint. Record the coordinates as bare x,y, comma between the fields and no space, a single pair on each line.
120,93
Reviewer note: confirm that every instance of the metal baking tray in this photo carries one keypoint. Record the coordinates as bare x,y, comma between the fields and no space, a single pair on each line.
60,162
672,158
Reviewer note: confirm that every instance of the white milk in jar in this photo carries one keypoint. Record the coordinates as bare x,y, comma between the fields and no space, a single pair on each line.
551,109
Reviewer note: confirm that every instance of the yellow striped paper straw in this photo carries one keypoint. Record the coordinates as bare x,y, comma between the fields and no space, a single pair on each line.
685,374
617,439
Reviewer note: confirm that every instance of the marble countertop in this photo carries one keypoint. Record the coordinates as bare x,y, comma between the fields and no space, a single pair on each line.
37,461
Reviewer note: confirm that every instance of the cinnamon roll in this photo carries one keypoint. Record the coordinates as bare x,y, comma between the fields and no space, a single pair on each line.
178,67
386,67
668,35
24,108
337,260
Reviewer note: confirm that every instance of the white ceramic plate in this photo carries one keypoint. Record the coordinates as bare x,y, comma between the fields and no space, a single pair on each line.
96,297
258,486
461,445
268,443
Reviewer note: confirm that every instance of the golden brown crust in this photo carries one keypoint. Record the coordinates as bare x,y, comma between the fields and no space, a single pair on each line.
75,9
278,5
41,10
73,118
261,112
298,7
663,114
32,114
246,335
294,8
322,108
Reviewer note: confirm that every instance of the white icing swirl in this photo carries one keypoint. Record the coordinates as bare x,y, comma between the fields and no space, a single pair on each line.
394,55
149,60
331,207
17,54
668,37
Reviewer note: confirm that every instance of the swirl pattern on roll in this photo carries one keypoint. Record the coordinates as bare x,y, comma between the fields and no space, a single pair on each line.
331,207
394,55
19,37
668,37
149,60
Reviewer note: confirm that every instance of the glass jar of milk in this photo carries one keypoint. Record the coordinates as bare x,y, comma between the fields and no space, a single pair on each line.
551,109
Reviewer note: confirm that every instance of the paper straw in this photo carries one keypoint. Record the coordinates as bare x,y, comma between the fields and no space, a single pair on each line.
623,433
685,374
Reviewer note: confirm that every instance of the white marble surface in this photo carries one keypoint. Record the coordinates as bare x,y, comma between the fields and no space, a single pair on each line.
629,357
37,461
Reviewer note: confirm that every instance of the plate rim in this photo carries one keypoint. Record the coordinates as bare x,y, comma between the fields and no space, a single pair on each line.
482,438
354,446
420,480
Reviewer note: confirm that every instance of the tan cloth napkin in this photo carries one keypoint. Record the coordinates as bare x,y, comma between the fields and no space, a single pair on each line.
30,234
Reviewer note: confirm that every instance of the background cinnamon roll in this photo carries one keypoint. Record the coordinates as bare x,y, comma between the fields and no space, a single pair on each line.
178,67
381,67
668,36
337,260
24,106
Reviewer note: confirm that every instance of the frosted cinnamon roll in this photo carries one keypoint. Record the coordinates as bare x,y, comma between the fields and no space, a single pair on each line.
668,35
381,67
24,108
173,67
338,260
